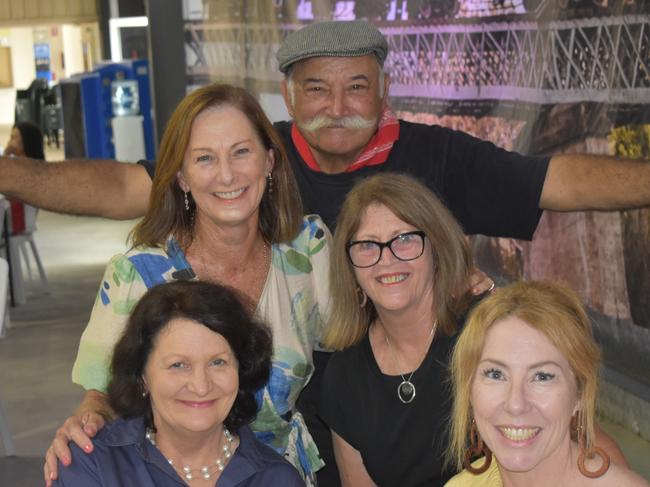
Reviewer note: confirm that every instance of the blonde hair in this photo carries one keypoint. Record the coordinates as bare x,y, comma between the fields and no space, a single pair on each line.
412,202
548,307
280,211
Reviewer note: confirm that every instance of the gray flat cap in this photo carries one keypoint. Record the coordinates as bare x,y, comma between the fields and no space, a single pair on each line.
332,39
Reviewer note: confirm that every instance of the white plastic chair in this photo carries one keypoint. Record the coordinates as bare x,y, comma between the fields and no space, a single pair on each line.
4,290
5,432
19,247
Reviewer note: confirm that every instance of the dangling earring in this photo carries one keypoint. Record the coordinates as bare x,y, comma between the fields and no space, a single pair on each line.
363,297
187,202
577,434
269,183
476,448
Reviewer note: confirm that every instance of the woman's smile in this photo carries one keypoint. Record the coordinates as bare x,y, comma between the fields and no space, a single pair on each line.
393,278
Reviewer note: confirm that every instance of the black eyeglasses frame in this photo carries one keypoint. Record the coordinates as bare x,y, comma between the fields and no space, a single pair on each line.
383,245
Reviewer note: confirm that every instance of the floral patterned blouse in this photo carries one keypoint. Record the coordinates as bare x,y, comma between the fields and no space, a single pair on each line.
294,302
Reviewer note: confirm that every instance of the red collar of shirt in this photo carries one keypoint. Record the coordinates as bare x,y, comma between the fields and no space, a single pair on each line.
376,152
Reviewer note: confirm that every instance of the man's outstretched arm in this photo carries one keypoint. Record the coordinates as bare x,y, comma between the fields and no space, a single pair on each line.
588,182
103,188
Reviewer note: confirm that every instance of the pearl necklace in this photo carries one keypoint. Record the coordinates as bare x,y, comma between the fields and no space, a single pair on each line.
206,471
406,388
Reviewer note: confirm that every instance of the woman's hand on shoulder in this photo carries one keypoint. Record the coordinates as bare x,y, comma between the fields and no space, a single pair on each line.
79,428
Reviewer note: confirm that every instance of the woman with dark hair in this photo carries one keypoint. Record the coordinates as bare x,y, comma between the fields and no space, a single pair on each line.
183,380
26,141
224,208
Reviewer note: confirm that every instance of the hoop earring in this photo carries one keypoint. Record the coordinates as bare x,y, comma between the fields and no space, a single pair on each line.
577,434
187,201
476,448
269,183
362,296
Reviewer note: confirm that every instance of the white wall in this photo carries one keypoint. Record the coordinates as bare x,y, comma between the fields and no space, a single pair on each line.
22,56
22,62
72,49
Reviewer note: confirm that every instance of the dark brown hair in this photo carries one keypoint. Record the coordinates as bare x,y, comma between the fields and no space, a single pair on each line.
214,306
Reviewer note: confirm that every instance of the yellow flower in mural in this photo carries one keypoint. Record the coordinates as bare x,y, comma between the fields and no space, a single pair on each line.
631,141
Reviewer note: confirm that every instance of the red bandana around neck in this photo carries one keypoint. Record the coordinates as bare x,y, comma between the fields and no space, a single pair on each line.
376,152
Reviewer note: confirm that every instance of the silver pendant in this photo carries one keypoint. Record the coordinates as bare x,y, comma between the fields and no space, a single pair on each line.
406,391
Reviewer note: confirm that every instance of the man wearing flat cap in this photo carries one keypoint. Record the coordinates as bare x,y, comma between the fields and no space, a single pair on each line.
336,92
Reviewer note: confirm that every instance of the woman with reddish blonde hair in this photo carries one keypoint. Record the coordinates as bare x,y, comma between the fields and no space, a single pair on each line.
525,378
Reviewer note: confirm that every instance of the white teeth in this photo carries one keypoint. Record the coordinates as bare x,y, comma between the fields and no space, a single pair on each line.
230,195
392,279
519,434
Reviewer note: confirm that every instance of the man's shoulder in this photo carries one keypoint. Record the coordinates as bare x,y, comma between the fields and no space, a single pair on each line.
409,129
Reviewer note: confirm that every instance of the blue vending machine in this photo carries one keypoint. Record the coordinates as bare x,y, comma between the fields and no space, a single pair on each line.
116,106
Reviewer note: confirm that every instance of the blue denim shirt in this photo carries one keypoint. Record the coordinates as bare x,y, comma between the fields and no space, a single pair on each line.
122,457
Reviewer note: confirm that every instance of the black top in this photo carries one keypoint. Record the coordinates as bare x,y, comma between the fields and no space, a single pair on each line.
490,190
401,444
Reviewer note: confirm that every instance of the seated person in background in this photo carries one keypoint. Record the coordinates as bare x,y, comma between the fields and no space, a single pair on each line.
224,209
525,372
400,271
183,380
26,141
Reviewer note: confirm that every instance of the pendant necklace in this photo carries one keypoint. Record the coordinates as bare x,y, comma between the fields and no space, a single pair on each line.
205,471
406,388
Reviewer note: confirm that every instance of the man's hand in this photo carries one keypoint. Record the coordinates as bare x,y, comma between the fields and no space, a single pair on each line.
480,282
77,429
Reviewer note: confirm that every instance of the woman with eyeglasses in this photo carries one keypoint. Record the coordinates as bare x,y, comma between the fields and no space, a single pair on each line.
400,278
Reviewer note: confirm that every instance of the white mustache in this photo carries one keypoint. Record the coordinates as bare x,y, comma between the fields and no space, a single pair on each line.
323,121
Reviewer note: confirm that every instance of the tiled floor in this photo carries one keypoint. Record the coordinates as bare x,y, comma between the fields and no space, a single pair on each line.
36,357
